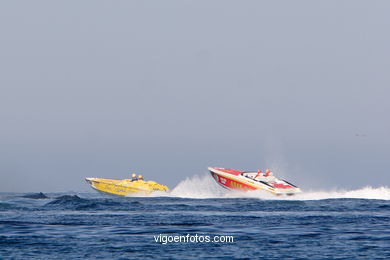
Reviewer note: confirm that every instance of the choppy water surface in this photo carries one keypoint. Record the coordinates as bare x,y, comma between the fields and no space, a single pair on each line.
90,226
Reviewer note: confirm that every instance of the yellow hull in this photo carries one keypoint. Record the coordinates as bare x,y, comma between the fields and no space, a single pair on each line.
125,187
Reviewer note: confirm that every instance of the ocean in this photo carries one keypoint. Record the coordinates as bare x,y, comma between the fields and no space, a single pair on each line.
197,220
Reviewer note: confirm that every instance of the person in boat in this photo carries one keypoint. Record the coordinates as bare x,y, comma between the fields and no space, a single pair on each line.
140,178
267,173
134,177
259,172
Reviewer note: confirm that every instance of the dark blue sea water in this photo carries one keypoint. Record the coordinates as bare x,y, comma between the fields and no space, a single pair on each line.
94,226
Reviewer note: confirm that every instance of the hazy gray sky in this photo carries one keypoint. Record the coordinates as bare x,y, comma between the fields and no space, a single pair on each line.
167,88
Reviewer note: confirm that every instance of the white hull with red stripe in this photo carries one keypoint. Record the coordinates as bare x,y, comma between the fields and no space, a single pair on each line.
245,181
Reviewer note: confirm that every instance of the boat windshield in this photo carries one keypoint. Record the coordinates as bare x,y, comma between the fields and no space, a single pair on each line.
251,175
258,177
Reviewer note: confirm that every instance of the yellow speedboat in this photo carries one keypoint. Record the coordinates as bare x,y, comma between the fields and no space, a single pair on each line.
125,187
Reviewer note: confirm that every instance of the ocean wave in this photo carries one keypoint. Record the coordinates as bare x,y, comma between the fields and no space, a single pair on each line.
74,202
6,206
38,196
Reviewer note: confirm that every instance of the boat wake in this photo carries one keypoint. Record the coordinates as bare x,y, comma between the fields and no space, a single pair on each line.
200,187
204,186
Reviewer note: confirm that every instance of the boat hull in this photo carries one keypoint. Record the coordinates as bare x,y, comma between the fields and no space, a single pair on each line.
125,187
234,180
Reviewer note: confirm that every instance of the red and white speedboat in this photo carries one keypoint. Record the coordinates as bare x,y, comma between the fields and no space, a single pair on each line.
244,181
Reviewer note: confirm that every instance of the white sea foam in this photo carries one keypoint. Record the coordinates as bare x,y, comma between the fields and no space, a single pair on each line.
368,192
205,187
198,187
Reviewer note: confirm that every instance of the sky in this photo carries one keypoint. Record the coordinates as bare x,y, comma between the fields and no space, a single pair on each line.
168,88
